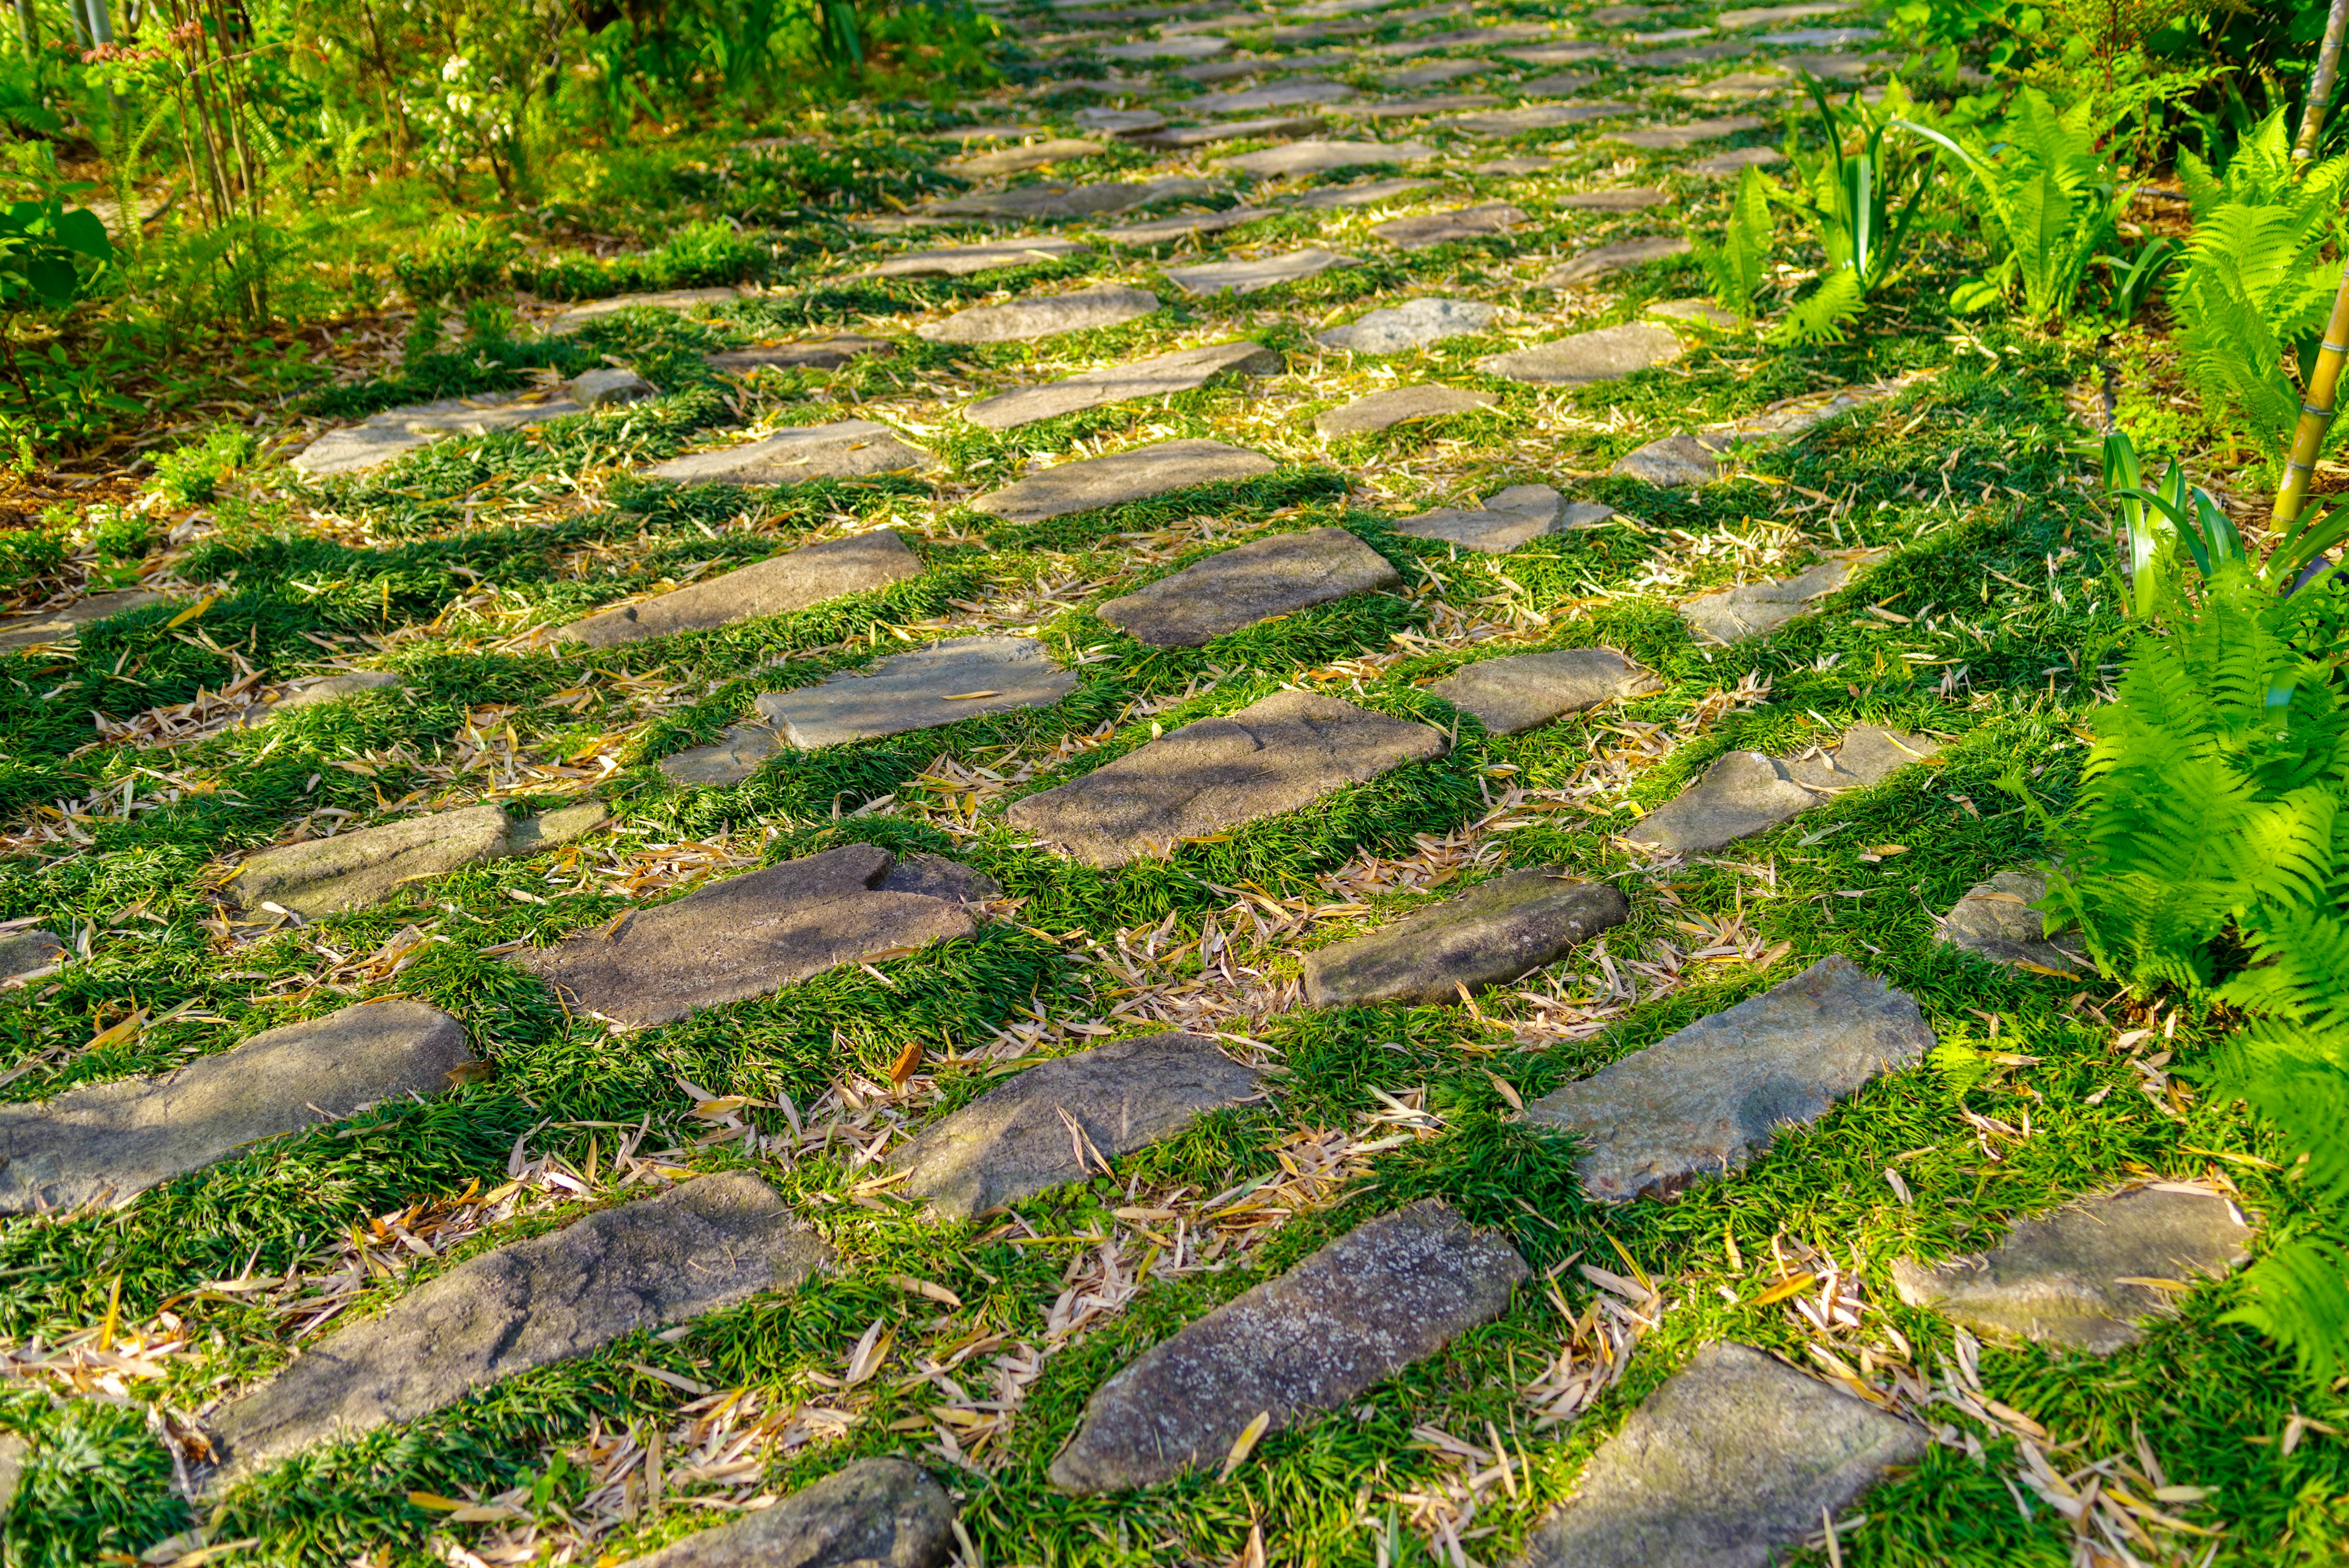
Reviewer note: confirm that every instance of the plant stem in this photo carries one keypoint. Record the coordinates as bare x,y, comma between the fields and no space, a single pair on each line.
2320,85
2317,406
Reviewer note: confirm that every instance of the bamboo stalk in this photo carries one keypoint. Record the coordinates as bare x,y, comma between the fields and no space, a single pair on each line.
2320,85
2318,404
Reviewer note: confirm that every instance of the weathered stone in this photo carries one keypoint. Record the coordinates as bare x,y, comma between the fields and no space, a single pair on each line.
1157,231
1361,193
1995,920
1022,321
1695,311
1275,756
1388,1293
1113,481
1672,35
1704,1100
939,683
1512,695
14,1454
733,757
1600,260
1120,121
1823,38
874,1513
1559,84
1702,54
1668,138
678,299
106,1143
1249,583
1418,233
1479,37
843,449
1795,415
815,354
1615,199
1431,73
360,869
936,876
2079,1277
1411,325
1841,67
610,388
28,629
701,1246
1190,49
1288,94
1759,16
1739,86
1617,15
1263,273
1498,931
1316,157
1420,108
1183,370
1051,201
1397,405
744,936
1745,793
395,432
1605,354
1014,159
1736,1456
1714,165
333,688
1537,117
1751,609
962,261
777,586
1671,463
32,952
1017,1140
1527,163
1233,131
966,134
1558,53
1506,520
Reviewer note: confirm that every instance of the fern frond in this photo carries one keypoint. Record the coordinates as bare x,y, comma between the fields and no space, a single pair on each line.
2299,1297
1820,317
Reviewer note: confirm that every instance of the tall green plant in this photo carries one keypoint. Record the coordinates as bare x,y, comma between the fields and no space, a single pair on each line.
1860,197
1740,264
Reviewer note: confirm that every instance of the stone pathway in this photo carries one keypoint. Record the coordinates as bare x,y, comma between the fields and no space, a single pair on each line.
843,449
1248,584
963,261
1997,920
1301,158
874,1513
794,580
1415,233
1600,260
1606,354
1113,481
1505,520
1262,273
360,869
1398,405
1025,320
1186,370
940,683
1413,324
395,432
1510,696
1501,931
1682,459
1755,609
1746,792
36,627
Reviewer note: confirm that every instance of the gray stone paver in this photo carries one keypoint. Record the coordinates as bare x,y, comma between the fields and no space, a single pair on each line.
1411,325
940,683
1023,320
363,867
1606,354
842,449
1600,260
1479,222
1183,370
1505,520
1996,920
1249,583
1316,157
793,580
1398,405
1132,476
1745,793
1515,694
1255,276
1751,610
874,1513
1496,932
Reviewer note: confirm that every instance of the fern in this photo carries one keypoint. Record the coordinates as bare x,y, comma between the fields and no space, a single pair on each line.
1819,317
1738,267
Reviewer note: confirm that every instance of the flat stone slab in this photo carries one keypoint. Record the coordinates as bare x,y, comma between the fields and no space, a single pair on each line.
962,261
1157,231
1538,117
874,1513
29,952
358,870
1823,38
1739,86
610,387
1995,921
1388,1293
1232,130
1023,320
1549,55
1761,15
1670,137
1734,1457
1121,477
810,354
1696,55
939,683
1398,405
1496,932
1316,157
1420,108
1275,756
1183,370
1526,163
1249,583
1182,48
1014,159
395,432
1507,519
1704,1100
1751,610
678,299
1361,193
1480,222
699,1247
1411,325
104,1144
1055,201
1715,165
30,628
1605,354
1263,273
332,688
1431,73
1600,260
1120,122
1510,696
1615,199
744,936
732,758
1288,94
2076,1277
1842,67
1673,461
1016,1140
843,449
777,586
1745,793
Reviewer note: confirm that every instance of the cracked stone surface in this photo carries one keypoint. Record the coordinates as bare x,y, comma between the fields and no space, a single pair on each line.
1318,157
874,1513
1420,231
1249,583
1390,1292
1705,1100
1507,519
1019,1138
827,353
1600,260
1996,922
1751,610
1606,354
1498,931
104,1144
1113,481
962,261
395,432
845,449
1398,405
939,683
360,869
1411,325
1157,231
1510,696
1180,371
1024,320
1263,273
1745,793
29,952
1275,756
1013,159
794,580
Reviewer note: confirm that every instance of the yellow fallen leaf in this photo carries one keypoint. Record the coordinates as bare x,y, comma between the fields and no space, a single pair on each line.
908,1061
1244,1444
1887,849
725,1105
968,696
192,612
1787,1288
435,1501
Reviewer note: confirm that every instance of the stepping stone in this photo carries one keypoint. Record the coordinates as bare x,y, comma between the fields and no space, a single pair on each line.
1718,165
1758,15
1275,756
1506,520
1431,73
395,432
1745,793
1739,86
1840,68
1420,108
1668,138
1671,35
1017,1139
1792,416
1823,38
1703,1101
702,1246
1480,38
357,871
1565,84
1157,231
962,261
966,134
33,953
106,1143
1183,370
1264,272
679,299
1120,123
1286,94
1600,260
610,388
1736,1456
1023,320
2077,1278
845,449
735,756
1209,72
1537,117
333,688
1479,222
1615,199
815,354
1013,159
792,581
1048,201
1364,193
1233,131
1616,15
1688,459
1701,54
1384,1296
1751,610
1411,325
30,628
939,683
1558,53
1249,583
744,936
1675,462
1188,49
1606,354
1300,158
1397,405
1525,165
1510,696
1113,481
1497,932
1995,921
1697,310
874,1513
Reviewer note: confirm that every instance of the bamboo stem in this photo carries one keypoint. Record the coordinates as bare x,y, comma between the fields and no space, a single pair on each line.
2320,85
2318,404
